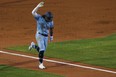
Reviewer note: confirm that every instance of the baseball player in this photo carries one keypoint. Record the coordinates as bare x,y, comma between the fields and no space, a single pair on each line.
44,28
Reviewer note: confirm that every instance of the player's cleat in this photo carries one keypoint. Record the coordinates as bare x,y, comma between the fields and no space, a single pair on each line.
41,66
31,46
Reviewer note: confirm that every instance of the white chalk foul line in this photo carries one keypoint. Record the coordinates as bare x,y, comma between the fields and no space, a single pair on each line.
53,61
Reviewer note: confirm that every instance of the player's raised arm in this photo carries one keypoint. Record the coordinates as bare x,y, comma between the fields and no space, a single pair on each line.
34,12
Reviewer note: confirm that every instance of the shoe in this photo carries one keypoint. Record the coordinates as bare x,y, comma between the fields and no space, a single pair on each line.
41,66
31,46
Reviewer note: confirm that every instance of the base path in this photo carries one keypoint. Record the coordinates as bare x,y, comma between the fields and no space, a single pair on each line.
67,69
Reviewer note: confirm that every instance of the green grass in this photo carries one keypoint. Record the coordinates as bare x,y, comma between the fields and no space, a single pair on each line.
99,51
8,71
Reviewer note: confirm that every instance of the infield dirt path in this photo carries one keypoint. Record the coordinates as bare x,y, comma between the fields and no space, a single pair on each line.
74,19
61,69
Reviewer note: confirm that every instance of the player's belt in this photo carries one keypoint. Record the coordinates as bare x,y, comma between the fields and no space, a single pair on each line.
44,34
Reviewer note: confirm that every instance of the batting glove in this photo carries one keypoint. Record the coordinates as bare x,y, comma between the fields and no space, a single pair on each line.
41,4
51,38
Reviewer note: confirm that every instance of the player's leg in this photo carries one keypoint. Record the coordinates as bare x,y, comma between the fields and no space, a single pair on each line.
41,45
41,51
45,42
41,55
37,39
33,44
37,48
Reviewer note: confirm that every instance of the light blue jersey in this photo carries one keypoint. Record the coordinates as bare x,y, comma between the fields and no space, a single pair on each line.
43,26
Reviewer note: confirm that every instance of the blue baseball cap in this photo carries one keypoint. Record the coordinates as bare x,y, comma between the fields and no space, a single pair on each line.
49,14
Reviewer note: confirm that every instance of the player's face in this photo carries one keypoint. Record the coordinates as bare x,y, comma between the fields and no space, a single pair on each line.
48,19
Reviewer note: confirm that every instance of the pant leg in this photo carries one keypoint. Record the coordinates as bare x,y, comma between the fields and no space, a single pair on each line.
46,42
41,41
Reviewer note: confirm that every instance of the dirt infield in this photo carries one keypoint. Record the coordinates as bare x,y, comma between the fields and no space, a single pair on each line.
74,19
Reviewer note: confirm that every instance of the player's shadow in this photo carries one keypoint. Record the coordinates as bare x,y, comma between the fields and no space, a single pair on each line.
24,62
3,67
56,65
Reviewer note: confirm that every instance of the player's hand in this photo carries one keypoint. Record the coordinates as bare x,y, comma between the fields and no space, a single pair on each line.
51,38
41,4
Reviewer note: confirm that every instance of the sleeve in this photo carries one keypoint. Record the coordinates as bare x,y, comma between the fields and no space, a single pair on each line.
51,24
37,16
